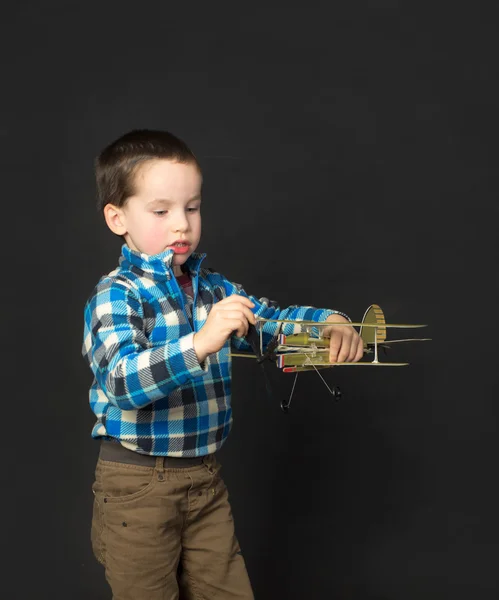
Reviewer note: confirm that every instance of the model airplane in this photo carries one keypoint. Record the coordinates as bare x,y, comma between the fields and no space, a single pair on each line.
308,350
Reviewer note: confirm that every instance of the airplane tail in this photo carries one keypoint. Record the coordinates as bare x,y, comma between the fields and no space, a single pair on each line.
373,315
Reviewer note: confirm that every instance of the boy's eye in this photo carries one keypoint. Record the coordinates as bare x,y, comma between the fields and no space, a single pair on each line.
160,213
193,209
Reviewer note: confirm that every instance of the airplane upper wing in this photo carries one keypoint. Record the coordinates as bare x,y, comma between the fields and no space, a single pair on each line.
329,323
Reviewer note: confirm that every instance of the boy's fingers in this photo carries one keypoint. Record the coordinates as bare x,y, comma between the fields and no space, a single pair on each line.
236,325
334,346
247,301
242,330
354,349
232,311
345,349
246,312
249,315
341,341
239,299
359,354
235,316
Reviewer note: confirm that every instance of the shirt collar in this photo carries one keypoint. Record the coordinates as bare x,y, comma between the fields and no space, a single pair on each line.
158,265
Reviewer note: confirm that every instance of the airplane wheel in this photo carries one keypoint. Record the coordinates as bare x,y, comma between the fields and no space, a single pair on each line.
336,393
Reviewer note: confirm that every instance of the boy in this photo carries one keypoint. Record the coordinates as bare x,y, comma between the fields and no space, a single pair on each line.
158,332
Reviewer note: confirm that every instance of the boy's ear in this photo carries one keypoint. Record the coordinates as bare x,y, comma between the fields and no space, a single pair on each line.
115,219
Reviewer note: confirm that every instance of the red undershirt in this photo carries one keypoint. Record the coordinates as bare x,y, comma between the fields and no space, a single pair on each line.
185,282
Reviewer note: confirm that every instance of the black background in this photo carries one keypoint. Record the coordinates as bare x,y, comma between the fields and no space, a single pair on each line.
350,156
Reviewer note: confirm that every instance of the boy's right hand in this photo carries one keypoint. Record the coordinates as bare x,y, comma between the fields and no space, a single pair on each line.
230,315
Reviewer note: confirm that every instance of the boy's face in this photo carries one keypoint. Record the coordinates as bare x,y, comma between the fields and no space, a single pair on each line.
164,213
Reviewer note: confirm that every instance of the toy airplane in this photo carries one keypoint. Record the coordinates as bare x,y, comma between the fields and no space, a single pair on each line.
304,351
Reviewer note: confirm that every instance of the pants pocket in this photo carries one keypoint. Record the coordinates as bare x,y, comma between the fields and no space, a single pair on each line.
121,483
115,484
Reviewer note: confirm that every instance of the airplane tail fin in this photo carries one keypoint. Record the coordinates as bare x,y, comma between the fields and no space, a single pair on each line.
373,315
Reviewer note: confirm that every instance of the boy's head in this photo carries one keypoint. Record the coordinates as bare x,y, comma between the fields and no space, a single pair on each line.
149,189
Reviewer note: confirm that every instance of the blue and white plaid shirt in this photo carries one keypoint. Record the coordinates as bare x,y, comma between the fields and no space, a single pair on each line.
149,390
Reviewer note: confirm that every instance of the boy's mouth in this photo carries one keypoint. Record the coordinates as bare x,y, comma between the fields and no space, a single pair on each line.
180,247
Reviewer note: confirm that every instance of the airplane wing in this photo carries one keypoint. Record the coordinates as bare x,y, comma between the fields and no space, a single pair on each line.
389,342
301,369
328,323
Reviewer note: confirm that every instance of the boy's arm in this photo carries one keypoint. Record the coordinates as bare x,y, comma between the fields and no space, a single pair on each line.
271,310
129,371
345,343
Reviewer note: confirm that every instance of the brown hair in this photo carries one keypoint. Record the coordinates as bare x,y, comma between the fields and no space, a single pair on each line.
117,164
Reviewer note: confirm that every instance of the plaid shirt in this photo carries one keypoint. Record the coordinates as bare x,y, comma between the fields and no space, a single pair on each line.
149,390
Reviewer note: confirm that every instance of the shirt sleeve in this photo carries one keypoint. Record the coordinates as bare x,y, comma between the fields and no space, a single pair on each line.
269,309
131,373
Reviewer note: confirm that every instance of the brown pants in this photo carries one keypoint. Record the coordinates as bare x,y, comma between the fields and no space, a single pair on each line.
166,533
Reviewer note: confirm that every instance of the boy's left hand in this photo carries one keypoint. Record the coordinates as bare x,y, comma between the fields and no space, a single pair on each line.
346,344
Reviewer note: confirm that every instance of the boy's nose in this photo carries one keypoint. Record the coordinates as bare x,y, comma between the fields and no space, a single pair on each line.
181,224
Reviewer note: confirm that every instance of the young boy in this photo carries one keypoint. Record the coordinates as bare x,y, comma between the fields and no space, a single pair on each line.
158,335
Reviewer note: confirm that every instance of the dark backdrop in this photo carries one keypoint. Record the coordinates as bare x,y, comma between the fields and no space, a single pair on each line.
350,157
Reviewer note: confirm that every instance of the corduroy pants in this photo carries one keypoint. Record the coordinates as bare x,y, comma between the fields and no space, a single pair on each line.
165,532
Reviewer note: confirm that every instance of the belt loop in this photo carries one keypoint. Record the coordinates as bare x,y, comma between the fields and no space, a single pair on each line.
209,463
160,464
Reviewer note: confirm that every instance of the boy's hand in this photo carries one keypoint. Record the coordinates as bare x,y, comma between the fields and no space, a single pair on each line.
230,315
346,344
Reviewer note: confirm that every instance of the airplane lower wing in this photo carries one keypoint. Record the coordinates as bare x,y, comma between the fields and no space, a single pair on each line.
313,367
